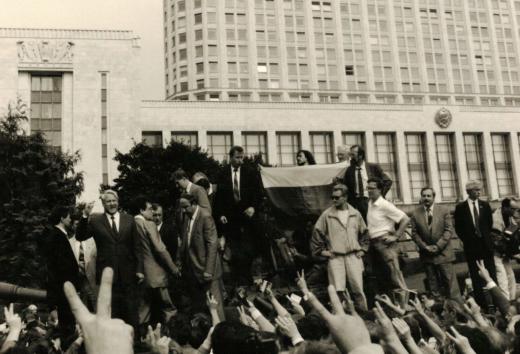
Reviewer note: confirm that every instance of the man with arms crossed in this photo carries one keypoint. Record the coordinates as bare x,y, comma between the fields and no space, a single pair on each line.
338,235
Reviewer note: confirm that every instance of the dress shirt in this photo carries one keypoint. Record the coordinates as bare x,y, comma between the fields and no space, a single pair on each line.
116,219
233,176
426,212
192,221
470,203
74,244
62,230
188,187
159,227
210,190
364,177
382,217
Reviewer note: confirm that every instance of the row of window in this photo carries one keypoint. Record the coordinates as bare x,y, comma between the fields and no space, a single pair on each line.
386,154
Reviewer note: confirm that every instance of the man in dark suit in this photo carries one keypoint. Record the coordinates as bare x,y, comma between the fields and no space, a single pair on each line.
157,305
200,194
236,206
432,231
168,230
357,176
201,267
118,247
473,224
61,267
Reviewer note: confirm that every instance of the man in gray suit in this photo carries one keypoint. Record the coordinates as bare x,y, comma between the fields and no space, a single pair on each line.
201,266
432,231
157,305
200,194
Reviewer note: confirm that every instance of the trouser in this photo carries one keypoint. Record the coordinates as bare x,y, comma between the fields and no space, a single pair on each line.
87,293
441,279
197,293
125,305
483,299
156,306
390,255
506,277
66,320
346,270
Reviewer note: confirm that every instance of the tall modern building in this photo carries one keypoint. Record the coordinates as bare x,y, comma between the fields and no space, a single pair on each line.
348,51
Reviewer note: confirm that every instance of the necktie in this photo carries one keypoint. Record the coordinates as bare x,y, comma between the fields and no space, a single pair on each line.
236,188
81,259
114,227
430,216
360,182
476,219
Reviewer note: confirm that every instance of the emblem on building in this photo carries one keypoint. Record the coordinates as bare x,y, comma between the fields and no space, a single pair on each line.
45,52
443,117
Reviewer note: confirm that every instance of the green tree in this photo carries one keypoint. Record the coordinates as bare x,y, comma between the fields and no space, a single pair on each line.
146,171
34,177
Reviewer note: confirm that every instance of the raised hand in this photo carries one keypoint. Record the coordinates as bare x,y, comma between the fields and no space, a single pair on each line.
103,335
388,333
211,301
348,331
416,304
460,341
402,328
13,320
157,343
300,281
483,272
288,327
296,306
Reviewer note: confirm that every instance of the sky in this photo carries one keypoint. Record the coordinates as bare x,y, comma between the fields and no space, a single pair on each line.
143,17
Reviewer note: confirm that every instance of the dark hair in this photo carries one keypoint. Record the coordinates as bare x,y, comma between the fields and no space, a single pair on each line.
234,149
58,213
179,174
156,206
377,181
190,198
478,340
340,187
179,328
139,204
312,327
426,188
233,337
308,156
203,182
200,325
361,150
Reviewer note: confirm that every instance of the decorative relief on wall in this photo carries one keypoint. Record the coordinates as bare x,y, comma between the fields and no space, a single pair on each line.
443,118
45,53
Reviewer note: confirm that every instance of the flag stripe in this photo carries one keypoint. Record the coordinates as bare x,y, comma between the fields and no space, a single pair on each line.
301,176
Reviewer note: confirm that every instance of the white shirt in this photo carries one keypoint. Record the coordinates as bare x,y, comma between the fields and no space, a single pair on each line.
192,221
382,217
62,230
116,219
159,227
188,187
470,203
87,249
364,178
343,215
233,176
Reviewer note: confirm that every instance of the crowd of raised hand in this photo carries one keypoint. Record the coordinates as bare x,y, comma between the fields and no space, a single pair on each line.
331,324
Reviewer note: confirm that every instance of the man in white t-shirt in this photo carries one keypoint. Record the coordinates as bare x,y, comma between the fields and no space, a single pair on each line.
382,217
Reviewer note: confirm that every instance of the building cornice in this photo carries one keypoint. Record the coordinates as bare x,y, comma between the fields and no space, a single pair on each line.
51,33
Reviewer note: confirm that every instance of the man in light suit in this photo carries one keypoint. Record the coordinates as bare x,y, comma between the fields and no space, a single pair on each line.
473,224
432,231
118,247
200,194
201,266
157,305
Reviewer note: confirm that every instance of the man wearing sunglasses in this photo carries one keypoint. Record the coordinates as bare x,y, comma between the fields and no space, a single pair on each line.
339,235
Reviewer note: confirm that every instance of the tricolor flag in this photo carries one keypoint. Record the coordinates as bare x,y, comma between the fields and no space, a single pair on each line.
302,190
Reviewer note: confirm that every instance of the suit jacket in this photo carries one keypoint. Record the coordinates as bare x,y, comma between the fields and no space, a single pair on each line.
438,235
90,253
201,255
201,196
61,266
475,246
250,194
156,259
170,237
122,251
373,171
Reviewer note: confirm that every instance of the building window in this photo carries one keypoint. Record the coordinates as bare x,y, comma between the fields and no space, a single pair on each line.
255,144
386,158
219,145
447,166
104,128
322,147
475,160
190,139
152,138
46,107
417,167
350,139
502,157
287,145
